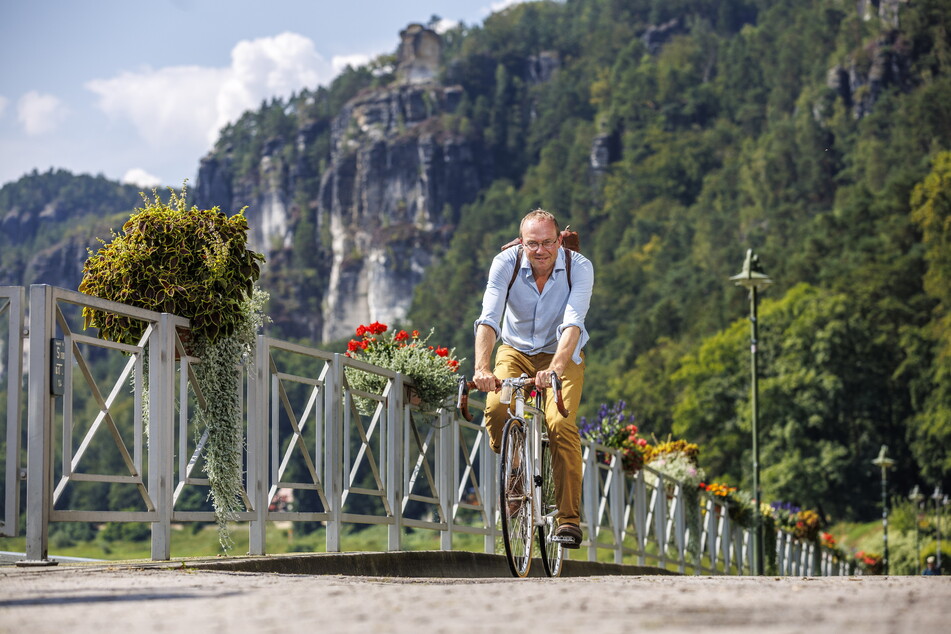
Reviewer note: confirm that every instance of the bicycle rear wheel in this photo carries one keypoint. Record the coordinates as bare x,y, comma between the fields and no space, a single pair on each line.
552,552
515,498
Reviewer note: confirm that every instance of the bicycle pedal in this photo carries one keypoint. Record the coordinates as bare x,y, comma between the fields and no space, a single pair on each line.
563,539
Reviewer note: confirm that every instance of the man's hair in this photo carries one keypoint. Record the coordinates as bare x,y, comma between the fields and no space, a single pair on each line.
538,214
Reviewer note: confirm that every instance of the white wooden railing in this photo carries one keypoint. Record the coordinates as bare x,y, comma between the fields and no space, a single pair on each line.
398,467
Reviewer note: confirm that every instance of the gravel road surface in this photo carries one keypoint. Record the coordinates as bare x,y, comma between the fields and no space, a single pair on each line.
105,598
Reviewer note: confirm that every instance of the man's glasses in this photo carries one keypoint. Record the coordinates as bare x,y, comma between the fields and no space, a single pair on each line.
533,246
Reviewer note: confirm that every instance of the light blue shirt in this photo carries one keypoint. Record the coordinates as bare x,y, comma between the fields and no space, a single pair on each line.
534,320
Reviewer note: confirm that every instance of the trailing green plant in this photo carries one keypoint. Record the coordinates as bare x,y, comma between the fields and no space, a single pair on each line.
173,259
219,376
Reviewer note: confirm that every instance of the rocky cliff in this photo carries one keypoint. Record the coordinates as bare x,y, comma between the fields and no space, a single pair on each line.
393,191
373,212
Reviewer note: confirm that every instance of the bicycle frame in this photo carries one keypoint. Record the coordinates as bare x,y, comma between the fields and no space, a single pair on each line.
530,416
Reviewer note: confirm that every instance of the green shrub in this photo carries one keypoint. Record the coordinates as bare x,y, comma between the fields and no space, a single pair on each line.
189,262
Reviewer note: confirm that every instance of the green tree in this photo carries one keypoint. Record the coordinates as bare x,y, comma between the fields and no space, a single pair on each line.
929,430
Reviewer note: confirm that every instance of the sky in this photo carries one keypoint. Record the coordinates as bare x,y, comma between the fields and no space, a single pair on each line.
136,90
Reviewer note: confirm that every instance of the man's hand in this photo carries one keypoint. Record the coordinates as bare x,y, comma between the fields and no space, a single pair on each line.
486,381
543,378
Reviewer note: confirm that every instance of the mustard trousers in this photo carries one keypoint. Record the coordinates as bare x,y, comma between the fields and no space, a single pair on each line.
563,437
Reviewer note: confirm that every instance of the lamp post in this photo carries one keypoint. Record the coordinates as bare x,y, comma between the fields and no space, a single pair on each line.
753,279
916,496
937,496
885,463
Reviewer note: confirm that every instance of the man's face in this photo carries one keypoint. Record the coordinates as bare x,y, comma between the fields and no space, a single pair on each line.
535,233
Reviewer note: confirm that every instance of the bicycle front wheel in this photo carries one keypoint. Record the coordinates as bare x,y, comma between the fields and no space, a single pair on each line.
515,498
552,552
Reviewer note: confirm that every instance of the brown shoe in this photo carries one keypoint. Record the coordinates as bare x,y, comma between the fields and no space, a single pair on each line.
568,535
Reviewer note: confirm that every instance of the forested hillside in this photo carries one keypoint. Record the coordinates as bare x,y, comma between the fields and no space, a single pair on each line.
47,220
674,135
805,130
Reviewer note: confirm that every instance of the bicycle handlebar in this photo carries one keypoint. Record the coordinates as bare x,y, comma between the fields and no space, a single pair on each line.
462,400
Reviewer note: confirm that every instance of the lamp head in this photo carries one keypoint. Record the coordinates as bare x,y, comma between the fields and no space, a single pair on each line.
883,460
752,275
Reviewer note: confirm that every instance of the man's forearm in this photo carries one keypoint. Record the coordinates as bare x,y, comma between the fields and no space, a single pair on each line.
485,342
566,347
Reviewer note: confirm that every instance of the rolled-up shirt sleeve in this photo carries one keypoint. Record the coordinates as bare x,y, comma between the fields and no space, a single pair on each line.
579,300
493,301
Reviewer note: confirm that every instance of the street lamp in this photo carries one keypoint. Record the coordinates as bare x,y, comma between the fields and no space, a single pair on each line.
885,463
937,496
753,279
916,497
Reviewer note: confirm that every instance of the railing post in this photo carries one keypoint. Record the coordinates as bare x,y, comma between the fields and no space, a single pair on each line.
713,535
726,538
680,529
640,516
9,523
590,501
162,433
39,428
660,519
618,488
258,396
333,469
393,468
488,474
447,434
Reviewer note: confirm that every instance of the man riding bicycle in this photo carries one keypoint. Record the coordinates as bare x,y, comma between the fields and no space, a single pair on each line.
542,331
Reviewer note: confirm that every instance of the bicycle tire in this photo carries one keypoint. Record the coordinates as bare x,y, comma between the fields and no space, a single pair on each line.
515,498
552,553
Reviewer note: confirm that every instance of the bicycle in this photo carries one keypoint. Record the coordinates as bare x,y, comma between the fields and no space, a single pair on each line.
526,495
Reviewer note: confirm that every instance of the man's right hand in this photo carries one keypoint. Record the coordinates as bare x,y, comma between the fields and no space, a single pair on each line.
486,381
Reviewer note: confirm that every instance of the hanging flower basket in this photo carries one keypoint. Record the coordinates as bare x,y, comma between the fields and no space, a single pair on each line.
433,369
193,263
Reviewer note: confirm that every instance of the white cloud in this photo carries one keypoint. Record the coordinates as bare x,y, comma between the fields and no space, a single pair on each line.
340,62
265,68
495,7
40,113
444,25
138,176
188,105
168,107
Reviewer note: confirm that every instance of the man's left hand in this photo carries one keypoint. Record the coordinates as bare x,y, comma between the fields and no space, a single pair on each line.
543,378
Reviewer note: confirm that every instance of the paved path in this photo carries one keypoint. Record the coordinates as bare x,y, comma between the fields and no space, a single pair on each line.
103,598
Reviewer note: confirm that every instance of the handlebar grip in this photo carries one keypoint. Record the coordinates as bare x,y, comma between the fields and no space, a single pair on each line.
559,400
462,398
